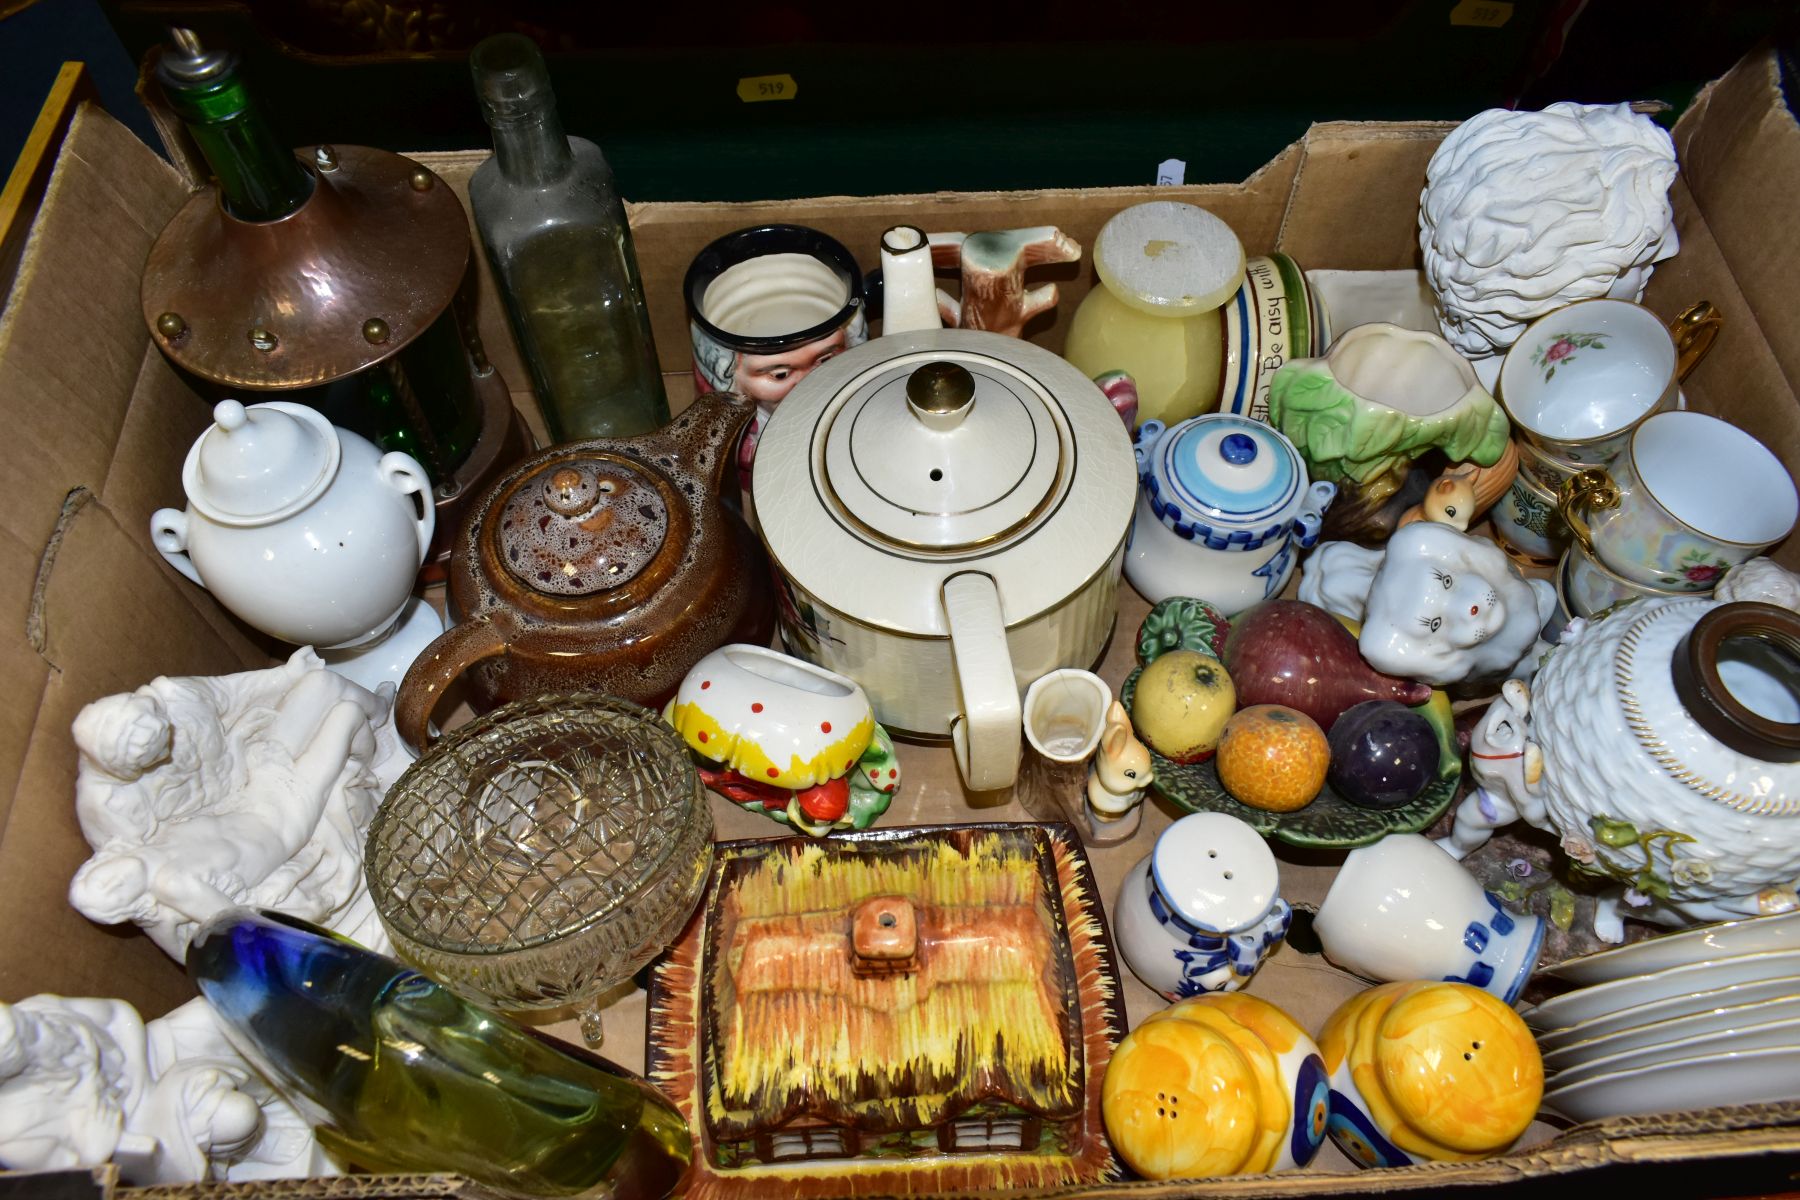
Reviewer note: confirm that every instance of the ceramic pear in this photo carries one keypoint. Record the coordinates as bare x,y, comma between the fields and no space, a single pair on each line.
1295,654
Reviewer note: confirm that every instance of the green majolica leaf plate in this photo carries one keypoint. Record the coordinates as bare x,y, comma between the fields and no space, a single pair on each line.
1328,823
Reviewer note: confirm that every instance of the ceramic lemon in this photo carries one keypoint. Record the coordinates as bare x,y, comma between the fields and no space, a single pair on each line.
1426,1071
1222,1084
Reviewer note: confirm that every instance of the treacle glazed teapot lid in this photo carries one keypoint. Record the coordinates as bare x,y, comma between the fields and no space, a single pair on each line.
581,523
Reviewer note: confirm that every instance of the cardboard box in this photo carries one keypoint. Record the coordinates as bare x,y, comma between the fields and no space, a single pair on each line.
97,426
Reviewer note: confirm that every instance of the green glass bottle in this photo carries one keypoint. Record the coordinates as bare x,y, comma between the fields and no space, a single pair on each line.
259,178
398,1073
420,398
556,233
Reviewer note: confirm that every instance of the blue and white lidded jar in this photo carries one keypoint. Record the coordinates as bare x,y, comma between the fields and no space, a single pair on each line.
1199,913
1222,503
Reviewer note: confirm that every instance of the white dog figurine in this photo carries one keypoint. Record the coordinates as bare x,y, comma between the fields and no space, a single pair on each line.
1116,780
1436,604
1508,768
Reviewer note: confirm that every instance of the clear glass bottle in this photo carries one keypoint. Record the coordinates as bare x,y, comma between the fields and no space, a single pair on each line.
556,234
398,1073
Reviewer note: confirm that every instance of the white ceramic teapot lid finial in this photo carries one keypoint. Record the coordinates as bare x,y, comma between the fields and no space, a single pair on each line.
261,462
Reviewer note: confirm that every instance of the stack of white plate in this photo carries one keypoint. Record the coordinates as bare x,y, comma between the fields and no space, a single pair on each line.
1697,1019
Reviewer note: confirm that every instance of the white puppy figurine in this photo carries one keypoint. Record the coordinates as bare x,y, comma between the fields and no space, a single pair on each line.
1436,605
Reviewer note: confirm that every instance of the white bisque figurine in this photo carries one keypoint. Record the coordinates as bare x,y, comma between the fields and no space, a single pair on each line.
1762,580
1525,212
87,1081
1436,605
203,792
1509,773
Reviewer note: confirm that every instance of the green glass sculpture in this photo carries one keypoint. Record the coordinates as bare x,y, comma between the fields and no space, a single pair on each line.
398,1073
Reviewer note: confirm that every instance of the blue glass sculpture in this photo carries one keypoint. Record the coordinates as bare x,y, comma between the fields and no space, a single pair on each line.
400,1074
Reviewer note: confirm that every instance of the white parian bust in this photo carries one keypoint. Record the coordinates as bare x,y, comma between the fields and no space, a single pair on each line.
1524,212
1436,604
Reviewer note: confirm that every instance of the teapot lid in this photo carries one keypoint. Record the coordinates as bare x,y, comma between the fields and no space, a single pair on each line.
260,463
583,523
1219,475
944,450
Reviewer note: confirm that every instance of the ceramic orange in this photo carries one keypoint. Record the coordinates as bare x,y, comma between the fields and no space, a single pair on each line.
1424,1071
1221,1084
1273,757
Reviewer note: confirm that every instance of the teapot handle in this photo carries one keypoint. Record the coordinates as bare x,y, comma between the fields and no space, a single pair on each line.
403,473
169,532
986,734
437,667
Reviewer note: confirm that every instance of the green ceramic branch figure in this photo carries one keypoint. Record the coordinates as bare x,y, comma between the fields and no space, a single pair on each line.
1382,397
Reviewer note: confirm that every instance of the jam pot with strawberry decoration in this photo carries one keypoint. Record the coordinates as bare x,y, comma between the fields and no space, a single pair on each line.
795,741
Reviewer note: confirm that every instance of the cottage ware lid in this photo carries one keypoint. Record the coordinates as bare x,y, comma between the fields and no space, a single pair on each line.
582,524
260,463
1227,473
926,454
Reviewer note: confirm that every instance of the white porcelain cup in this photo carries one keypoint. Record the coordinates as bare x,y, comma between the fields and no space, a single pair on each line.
1691,497
1405,909
1580,379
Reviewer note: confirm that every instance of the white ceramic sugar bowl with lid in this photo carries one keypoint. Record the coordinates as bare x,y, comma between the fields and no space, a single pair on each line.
303,530
1223,502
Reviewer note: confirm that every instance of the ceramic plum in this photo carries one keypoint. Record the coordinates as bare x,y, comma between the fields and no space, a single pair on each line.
796,741
1383,754
1428,1072
1435,604
1222,1084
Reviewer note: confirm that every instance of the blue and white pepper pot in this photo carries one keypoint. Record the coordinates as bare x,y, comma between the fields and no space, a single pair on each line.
1223,501
1200,912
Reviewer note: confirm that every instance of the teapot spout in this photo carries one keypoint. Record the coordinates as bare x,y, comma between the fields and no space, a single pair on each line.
703,436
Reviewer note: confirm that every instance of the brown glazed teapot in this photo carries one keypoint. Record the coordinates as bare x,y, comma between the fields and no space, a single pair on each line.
608,566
